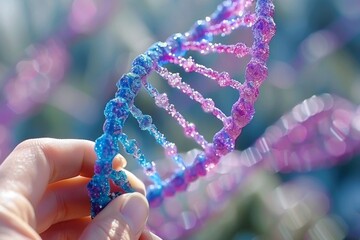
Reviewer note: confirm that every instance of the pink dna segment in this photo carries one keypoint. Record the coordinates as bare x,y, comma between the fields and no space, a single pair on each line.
322,131
229,16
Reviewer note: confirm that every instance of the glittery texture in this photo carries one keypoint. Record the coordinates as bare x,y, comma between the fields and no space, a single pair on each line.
321,131
229,16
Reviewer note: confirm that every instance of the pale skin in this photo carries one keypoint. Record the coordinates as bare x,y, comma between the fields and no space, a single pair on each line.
43,195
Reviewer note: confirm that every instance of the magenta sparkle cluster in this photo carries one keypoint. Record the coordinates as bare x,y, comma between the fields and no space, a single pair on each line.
229,16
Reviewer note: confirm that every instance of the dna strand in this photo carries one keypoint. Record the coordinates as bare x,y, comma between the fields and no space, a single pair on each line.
322,131
230,15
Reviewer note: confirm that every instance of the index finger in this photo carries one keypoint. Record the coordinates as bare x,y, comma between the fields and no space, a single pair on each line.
35,163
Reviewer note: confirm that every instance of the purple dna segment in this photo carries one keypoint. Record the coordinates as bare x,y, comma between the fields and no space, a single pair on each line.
319,132
230,15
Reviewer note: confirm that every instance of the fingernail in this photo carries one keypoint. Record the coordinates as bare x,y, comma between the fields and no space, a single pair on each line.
119,162
147,235
135,211
154,237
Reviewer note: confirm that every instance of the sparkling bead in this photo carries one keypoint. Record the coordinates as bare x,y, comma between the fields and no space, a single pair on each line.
225,27
98,186
222,12
178,181
155,195
249,92
154,52
265,8
130,81
186,89
199,165
106,147
116,108
150,169
190,174
162,100
145,122
174,80
103,167
213,74
242,112
144,61
220,48
139,70
240,50
249,19
136,112
131,146
224,79
189,129
118,177
264,29
151,89
113,127
172,111
212,156
256,72
170,149
99,204
200,31
180,119
95,209
175,44
261,50
231,128
204,46
178,160
223,143
197,96
169,190
189,65
141,159
126,94
157,52
124,81
208,105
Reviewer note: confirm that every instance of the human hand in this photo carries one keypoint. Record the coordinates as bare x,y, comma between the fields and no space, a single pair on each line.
43,195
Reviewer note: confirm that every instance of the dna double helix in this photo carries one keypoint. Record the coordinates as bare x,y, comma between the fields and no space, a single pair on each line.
229,16
321,131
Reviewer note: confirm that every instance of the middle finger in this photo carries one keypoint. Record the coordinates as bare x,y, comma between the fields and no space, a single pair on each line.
68,199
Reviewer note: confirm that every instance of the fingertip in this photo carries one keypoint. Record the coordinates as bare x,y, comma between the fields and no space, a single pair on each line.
135,211
119,162
123,218
148,235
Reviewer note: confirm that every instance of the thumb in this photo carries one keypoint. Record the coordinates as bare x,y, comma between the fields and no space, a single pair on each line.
123,218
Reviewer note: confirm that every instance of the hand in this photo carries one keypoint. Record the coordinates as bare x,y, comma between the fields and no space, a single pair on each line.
43,195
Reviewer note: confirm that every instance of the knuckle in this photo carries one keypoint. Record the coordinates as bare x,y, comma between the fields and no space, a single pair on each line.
40,148
38,145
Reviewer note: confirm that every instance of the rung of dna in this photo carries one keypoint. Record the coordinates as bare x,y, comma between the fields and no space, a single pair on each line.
229,16
320,132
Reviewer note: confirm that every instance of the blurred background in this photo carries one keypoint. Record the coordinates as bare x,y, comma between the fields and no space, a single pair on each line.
60,60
